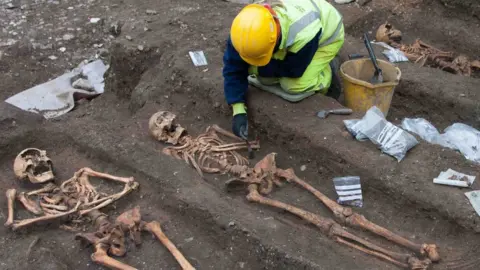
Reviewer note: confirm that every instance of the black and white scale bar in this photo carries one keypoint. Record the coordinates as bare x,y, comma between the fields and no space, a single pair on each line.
348,189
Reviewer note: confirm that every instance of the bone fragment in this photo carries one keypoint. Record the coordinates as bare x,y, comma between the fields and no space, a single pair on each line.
107,176
110,199
30,205
46,189
54,206
101,257
22,223
11,195
154,228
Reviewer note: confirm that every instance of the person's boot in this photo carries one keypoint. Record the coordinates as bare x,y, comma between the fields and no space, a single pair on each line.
335,89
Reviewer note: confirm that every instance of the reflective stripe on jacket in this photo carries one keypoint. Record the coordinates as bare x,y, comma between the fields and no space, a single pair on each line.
301,20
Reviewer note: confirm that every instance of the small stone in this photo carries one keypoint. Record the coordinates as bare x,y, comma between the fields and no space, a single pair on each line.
188,240
231,224
95,20
129,38
68,37
52,57
363,2
62,49
151,12
463,95
116,28
241,264
146,29
216,104
140,47
103,52
303,168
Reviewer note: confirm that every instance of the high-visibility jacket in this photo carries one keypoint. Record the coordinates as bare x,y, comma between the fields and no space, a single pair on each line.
301,20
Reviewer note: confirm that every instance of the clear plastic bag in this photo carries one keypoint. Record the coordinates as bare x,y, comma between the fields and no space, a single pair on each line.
353,128
391,139
426,131
465,138
458,136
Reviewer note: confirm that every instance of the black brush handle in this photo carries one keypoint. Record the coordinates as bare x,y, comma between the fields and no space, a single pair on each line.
371,53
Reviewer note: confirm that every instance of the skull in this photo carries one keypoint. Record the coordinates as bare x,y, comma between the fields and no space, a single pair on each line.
388,33
34,165
162,127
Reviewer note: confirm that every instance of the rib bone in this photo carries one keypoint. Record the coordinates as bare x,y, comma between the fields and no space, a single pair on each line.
30,205
22,223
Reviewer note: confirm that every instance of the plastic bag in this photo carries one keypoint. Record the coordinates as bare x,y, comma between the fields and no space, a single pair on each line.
391,139
466,139
353,128
458,136
426,131
393,55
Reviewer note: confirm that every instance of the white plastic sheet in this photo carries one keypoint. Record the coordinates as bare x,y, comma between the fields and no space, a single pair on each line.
458,136
393,55
56,97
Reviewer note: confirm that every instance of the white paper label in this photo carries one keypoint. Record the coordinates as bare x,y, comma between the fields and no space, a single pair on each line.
198,58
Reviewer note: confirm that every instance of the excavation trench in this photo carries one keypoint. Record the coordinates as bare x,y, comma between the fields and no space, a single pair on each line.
208,239
417,218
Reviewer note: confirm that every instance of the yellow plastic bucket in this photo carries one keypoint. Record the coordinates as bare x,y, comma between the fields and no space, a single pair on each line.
360,94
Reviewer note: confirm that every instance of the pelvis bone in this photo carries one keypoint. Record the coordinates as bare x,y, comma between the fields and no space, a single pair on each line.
33,164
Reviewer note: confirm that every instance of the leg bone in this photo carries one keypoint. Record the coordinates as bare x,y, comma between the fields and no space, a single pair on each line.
11,195
334,230
154,228
101,257
345,215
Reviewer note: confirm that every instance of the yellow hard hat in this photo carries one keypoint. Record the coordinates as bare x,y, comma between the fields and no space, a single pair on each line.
254,34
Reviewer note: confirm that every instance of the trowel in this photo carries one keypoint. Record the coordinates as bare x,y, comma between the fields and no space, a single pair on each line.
323,114
378,75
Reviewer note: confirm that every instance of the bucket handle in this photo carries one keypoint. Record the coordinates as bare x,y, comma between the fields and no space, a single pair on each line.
399,74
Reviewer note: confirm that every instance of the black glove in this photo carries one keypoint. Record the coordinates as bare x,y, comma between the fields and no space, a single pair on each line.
240,125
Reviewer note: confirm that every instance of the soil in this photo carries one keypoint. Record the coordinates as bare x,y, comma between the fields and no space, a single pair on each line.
150,71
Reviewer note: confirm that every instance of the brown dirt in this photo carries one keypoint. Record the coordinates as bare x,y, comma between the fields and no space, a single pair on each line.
215,229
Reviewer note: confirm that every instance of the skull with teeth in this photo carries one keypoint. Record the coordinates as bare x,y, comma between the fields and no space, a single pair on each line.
33,164
162,127
388,33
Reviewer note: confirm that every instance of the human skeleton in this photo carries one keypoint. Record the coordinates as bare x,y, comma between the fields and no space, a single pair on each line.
77,199
261,179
